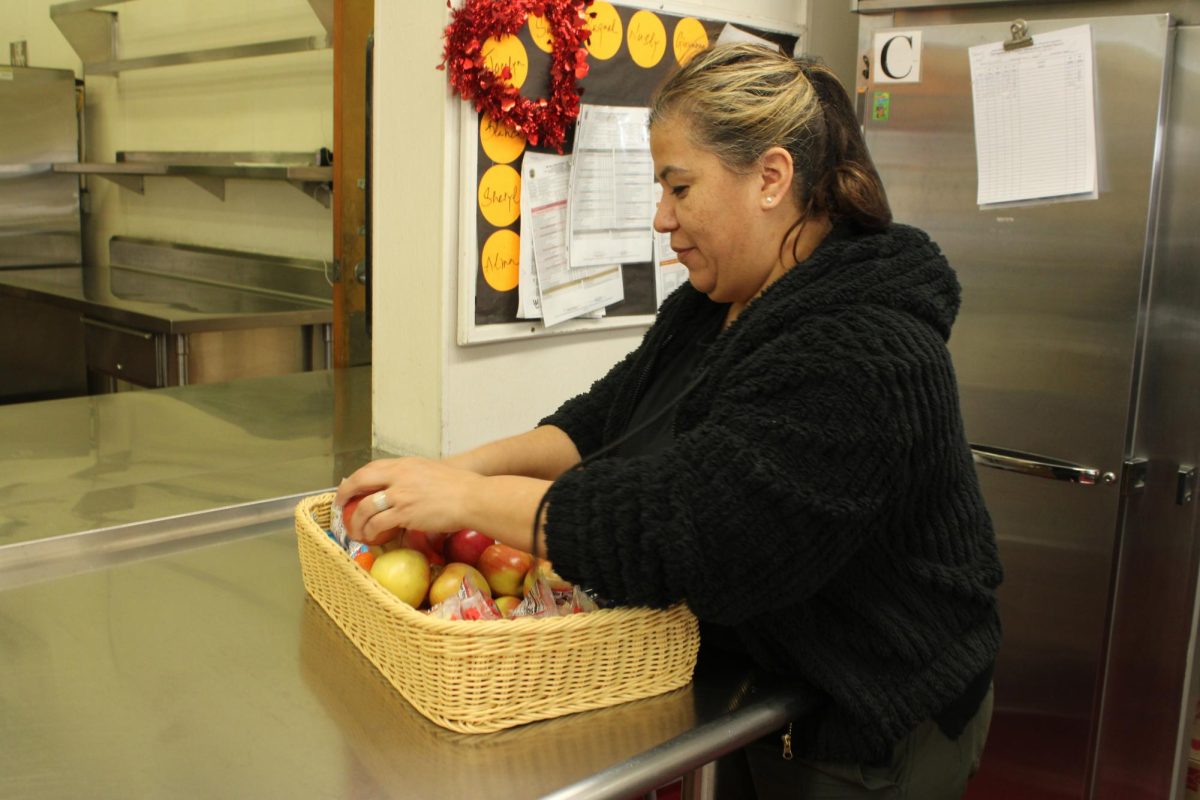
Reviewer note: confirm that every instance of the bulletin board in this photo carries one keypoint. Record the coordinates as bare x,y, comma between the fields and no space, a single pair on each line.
631,51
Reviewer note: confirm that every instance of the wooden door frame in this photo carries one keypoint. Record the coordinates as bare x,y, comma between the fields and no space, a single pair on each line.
353,21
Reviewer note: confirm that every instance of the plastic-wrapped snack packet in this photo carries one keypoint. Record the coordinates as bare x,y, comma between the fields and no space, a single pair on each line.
358,552
467,603
538,601
582,602
337,525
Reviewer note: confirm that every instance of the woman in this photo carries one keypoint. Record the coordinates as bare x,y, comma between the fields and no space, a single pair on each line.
784,449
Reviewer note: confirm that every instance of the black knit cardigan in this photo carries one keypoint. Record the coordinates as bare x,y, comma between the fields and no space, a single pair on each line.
819,497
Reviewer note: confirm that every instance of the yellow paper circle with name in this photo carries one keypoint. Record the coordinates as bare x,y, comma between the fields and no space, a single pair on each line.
500,195
690,38
500,260
506,51
539,31
501,143
647,39
606,32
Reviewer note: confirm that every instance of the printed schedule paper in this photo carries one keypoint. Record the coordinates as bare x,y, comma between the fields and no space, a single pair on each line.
612,175
563,292
1035,120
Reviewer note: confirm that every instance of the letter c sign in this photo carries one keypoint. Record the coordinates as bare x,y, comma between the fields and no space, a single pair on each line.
897,57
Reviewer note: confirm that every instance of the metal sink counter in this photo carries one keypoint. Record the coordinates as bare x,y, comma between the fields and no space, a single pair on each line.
161,314
77,464
208,672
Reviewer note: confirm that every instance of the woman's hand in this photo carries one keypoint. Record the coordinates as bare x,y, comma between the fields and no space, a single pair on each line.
437,496
405,493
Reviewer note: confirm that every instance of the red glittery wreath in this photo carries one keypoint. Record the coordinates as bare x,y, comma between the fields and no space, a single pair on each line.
545,119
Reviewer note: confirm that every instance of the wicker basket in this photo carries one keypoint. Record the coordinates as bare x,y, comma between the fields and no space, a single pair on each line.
482,676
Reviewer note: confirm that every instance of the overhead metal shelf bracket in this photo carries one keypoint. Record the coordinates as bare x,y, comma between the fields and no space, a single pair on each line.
320,191
324,11
135,182
212,185
91,34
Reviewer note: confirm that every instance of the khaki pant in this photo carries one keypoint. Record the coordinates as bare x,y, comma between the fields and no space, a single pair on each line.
924,766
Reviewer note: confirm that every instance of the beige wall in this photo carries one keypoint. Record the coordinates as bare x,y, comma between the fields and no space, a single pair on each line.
431,395
275,103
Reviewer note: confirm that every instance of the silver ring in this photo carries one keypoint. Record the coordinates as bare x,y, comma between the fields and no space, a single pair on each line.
380,501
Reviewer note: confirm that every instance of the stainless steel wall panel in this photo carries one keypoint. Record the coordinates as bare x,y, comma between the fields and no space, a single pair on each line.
39,209
1149,699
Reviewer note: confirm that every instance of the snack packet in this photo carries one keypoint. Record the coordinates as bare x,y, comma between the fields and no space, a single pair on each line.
538,601
467,603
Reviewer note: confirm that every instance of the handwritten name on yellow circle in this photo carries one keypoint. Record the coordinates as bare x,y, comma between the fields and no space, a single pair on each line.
690,38
500,195
500,260
539,31
501,143
647,39
507,51
606,31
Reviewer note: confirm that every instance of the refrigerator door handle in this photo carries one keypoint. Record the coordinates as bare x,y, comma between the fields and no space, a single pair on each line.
1038,466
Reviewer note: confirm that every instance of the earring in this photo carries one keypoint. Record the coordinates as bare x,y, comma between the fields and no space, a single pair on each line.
770,199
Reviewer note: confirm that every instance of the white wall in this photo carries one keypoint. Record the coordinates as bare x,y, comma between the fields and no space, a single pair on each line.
432,396
276,103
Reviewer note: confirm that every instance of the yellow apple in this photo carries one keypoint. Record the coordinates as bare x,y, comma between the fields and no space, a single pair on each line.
452,577
404,573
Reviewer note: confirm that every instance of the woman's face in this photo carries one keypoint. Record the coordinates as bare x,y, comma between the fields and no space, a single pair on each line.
716,217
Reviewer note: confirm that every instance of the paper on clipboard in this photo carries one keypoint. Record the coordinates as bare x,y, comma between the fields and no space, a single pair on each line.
1035,122
612,174
563,293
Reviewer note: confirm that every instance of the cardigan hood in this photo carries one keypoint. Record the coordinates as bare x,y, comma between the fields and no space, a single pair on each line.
899,268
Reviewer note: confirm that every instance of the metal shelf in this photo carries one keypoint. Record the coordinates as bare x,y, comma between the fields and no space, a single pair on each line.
209,171
93,36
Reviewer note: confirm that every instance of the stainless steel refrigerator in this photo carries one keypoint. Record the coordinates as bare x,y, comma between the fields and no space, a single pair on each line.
1077,351
39,209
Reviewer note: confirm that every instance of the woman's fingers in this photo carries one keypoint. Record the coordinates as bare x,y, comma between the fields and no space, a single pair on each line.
403,493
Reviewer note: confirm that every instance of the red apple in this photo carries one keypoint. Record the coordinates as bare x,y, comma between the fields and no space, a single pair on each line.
467,545
419,540
452,577
404,573
348,514
505,568
438,542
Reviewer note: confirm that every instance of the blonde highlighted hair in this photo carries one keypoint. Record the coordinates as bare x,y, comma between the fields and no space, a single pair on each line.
739,100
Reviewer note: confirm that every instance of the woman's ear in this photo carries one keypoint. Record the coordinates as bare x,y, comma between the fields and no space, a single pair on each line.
776,175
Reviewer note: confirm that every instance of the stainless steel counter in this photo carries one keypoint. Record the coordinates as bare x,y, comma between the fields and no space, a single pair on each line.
208,672
156,639
83,463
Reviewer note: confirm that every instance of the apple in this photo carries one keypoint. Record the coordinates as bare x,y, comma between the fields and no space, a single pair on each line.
419,540
348,514
505,568
506,604
543,568
452,577
467,545
438,542
404,573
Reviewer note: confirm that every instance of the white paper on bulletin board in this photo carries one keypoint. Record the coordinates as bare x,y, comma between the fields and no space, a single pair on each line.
636,49
1035,119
